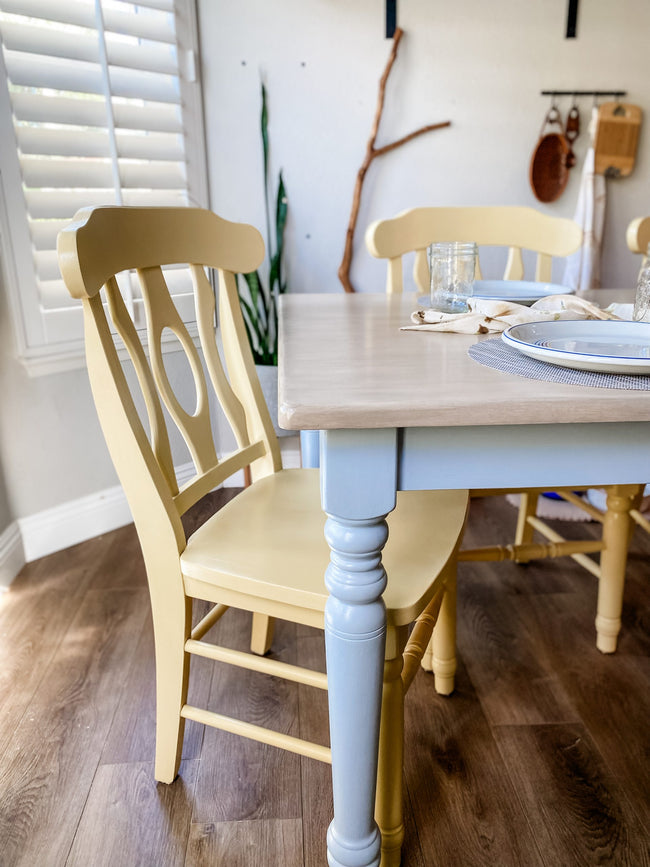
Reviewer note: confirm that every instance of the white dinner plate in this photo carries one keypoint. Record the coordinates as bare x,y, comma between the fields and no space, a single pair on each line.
517,291
605,346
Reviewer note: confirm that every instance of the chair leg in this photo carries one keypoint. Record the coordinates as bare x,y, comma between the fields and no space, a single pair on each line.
262,633
172,676
388,803
527,508
440,654
443,641
613,563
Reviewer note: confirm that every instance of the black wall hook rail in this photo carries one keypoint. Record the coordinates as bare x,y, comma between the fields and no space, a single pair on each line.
614,93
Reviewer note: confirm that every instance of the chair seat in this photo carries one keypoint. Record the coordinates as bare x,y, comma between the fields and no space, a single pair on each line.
268,544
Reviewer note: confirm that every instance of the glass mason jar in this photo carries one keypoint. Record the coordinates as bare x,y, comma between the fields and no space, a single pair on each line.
452,265
642,300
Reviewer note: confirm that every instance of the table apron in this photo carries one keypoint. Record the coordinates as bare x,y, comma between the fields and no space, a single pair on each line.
511,456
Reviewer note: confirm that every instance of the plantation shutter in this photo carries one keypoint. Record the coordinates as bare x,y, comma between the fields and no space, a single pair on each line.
104,108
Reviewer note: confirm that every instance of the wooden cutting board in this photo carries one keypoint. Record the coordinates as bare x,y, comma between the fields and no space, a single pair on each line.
617,135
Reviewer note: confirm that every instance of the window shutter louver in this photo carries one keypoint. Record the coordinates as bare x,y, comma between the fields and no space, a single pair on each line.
101,113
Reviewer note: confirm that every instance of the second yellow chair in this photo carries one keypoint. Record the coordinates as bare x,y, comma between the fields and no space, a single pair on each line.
523,229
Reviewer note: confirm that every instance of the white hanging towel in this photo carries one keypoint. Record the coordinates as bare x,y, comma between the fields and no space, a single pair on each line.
582,269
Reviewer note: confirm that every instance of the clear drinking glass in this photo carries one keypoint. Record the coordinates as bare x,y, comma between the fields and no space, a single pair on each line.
642,300
452,266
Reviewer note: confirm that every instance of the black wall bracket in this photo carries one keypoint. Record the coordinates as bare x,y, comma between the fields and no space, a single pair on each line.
391,18
572,19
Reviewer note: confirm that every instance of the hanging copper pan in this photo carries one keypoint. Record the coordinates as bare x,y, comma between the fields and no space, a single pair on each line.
549,172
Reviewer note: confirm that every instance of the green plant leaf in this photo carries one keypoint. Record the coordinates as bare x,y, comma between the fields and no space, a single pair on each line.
258,337
281,209
259,300
253,282
262,314
251,338
253,325
258,297
264,125
273,333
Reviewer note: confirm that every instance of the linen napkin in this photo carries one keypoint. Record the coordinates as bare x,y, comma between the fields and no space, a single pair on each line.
485,315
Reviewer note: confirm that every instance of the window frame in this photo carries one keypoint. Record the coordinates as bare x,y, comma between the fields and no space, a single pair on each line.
38,354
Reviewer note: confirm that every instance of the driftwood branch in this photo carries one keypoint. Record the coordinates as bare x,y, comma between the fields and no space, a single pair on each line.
391,147
371,153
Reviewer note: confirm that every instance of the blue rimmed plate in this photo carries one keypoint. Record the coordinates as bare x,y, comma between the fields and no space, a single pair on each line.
604,346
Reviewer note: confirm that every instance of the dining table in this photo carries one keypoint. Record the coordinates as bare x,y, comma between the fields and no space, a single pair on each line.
407,410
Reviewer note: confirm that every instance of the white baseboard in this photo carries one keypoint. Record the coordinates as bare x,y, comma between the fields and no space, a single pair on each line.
73,522
12,556
78,520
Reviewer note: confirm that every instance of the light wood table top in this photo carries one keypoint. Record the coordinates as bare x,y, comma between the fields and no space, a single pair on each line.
344,363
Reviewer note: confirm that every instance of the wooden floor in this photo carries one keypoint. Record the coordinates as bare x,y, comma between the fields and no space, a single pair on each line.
541,756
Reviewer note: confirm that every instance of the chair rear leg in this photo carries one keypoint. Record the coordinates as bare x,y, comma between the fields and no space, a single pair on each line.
389,799
172,677
440,654
613,564
443,641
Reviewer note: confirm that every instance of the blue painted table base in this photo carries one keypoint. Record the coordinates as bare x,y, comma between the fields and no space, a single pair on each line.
361,470
358,486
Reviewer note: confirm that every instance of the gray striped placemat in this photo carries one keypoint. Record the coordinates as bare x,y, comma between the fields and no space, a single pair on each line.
495,353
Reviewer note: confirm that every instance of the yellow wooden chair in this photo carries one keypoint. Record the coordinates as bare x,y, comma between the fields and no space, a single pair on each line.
516,228
617,535
265,551
519,229
638,237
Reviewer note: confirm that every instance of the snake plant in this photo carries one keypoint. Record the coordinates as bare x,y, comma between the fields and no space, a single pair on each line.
259,299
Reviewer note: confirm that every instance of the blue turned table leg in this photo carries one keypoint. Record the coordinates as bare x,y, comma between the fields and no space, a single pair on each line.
358,473
310,448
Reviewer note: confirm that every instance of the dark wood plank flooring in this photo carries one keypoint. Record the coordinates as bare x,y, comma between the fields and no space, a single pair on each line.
540,757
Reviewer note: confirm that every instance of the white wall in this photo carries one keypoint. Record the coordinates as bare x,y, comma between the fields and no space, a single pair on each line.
480,65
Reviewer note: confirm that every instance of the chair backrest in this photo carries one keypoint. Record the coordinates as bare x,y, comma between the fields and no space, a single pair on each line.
517,228
103,242
638,237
